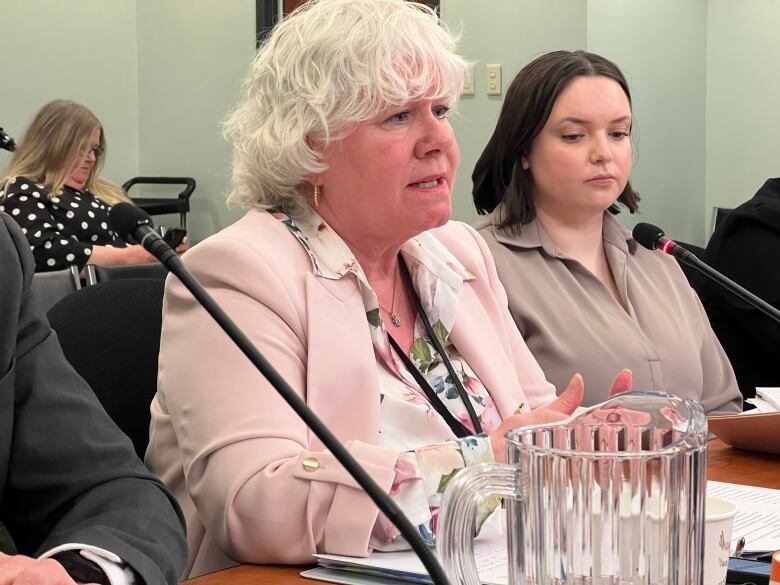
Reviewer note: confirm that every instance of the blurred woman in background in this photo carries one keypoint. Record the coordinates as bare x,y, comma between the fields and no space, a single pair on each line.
53,190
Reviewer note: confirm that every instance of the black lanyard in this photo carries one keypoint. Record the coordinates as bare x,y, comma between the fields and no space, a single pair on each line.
457,427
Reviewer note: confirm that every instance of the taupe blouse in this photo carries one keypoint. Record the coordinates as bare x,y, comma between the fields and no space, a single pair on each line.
572,323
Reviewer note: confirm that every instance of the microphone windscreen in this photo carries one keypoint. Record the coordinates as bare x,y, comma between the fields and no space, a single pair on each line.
647,234
125,217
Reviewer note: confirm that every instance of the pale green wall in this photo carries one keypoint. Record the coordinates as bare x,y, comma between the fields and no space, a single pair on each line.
512,33
84,50
743,93
667,80
701,74
660,45
161,75
191,58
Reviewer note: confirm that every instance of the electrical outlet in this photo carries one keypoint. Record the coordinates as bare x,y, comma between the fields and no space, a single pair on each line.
493,79
468,81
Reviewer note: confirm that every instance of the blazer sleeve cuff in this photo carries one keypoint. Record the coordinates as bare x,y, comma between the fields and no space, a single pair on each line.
352,513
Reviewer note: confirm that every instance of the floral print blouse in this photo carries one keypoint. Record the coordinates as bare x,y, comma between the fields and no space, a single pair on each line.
431,454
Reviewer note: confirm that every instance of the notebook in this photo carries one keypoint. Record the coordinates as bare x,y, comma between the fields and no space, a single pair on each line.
754,432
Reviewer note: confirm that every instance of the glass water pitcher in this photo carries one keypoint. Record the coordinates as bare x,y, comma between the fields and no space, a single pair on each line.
612,495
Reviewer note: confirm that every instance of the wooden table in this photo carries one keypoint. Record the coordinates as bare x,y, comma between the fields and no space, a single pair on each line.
724,464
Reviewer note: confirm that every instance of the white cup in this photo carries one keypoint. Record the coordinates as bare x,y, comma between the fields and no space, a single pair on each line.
718,522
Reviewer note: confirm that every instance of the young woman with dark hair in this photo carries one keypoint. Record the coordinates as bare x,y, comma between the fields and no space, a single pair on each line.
584,295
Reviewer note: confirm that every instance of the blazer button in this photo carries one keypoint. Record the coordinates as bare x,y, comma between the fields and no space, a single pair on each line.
311,464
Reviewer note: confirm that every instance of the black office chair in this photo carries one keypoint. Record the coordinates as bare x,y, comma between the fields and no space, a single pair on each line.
48,288
162,205
110,333
695,278
95,274
719,214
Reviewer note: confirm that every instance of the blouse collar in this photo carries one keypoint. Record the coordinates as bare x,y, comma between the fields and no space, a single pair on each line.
332,258
533,234
436,276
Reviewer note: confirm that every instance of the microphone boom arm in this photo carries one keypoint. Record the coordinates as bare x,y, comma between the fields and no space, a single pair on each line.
688,258
653,238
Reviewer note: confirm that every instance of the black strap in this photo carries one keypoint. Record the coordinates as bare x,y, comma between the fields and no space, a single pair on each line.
457,427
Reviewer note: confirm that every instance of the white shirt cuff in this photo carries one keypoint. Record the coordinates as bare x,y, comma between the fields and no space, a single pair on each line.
117,571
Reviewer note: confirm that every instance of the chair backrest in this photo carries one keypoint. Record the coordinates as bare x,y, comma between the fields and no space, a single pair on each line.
164,205
150,270
110,333
718,215
48,288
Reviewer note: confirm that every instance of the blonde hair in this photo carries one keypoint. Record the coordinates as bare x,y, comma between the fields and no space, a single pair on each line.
327,67
46,152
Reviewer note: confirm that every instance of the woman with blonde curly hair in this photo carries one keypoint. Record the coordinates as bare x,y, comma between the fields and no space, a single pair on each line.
347,274
52,188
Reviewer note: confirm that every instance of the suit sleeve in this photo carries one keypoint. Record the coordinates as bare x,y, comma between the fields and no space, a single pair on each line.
72,475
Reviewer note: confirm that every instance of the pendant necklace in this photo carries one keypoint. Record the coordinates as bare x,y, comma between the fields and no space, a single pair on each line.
394,319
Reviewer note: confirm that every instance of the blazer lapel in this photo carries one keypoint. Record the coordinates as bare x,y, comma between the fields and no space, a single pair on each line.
480,346
338,335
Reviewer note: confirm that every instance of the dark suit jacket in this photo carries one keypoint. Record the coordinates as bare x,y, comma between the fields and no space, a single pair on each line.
746,248
67,473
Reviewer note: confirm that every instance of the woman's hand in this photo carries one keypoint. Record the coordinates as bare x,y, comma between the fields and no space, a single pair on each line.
184,246
559,409
137,254
110,256
22,570
622,382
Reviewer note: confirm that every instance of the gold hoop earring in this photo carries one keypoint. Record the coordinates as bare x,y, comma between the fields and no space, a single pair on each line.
316,195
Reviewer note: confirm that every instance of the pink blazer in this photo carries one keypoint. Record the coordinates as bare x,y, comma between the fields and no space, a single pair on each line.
231,449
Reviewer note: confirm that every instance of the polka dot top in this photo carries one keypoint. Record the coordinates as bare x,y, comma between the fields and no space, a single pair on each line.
61,229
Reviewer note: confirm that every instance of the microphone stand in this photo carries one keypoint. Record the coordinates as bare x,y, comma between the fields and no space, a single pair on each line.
382,501
689,258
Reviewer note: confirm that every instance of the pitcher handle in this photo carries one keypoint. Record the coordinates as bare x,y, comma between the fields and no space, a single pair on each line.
457,515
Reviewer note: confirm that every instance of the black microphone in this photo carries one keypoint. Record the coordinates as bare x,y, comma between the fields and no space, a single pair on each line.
653,238
135,226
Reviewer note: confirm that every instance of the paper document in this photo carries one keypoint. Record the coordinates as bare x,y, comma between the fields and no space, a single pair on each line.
344,577
490,554
768,399
761,406
758,514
